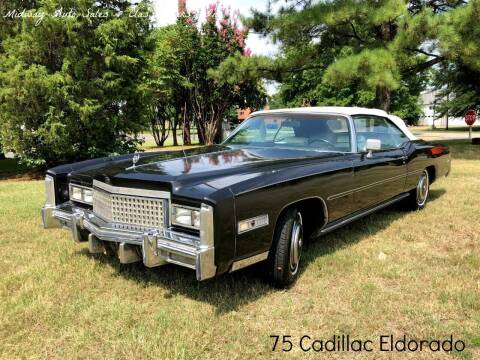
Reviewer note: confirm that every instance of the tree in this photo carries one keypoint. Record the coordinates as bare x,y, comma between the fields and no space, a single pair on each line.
459,89
76,81
459,78
9,23
9,26
167,80
215,91
377,46
186,73
306,87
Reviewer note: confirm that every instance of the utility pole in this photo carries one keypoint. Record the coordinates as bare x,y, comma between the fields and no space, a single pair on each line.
447,109
433,117
182,7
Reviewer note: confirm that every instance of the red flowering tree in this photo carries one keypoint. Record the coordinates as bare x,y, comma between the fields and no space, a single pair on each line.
183,84
211,98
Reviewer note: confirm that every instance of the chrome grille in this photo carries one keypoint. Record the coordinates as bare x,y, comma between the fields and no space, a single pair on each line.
130,212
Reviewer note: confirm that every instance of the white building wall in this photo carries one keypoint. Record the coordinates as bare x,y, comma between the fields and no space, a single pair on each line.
428,99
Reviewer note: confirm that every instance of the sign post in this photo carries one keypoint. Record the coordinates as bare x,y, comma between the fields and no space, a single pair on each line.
470,118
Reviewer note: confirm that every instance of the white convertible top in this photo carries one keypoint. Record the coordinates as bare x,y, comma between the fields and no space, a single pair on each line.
342,110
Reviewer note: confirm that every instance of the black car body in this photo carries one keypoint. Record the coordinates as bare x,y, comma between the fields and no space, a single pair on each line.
220,208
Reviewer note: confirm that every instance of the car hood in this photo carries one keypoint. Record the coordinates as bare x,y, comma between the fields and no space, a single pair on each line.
217,166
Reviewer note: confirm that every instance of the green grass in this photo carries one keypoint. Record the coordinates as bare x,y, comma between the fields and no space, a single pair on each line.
150,143
394,272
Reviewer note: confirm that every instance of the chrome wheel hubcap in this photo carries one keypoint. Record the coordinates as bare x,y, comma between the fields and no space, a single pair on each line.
296,244
422,189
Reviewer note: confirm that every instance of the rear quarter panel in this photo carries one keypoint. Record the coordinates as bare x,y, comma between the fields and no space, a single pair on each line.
421,155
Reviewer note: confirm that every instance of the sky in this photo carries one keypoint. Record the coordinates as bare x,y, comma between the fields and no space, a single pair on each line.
166,13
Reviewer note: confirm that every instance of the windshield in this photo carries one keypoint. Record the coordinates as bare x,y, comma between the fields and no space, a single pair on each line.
308,132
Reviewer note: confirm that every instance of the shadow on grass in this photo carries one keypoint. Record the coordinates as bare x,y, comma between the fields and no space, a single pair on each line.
229,292
11,169
364,227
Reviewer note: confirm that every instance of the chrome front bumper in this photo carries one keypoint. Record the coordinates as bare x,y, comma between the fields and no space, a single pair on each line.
159,246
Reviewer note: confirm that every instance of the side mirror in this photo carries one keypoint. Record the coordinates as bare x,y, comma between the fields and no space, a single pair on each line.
372,145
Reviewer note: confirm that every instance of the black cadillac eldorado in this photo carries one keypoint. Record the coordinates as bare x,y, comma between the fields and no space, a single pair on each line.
281,177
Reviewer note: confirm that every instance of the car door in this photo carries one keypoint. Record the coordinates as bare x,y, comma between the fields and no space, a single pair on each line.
380,174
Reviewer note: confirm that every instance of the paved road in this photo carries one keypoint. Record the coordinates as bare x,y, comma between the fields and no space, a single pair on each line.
429,135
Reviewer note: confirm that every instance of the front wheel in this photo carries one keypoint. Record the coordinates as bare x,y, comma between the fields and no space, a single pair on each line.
284,259
419,196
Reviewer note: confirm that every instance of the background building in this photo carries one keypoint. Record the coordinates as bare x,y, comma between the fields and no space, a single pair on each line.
429,100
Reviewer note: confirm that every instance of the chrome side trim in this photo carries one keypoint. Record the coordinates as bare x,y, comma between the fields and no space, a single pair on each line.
249,261
324,206
348,192
131,191
415,172
342,222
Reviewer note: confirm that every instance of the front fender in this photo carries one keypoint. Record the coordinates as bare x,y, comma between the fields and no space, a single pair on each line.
224,229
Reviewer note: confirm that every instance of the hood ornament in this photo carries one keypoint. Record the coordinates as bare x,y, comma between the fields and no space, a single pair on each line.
135,159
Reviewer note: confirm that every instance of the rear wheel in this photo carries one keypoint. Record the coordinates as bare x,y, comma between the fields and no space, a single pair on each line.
419,196
284,260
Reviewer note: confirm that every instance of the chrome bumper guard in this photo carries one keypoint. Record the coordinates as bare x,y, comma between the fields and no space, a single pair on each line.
159,246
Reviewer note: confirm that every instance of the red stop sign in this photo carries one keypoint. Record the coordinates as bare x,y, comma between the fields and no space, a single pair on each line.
470,117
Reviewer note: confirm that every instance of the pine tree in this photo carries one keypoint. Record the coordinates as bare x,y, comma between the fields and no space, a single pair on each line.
379,44
69,85
458,78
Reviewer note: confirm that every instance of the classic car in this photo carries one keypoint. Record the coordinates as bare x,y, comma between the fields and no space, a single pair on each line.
281,178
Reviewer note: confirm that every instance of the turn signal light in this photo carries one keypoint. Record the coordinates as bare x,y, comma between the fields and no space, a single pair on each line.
437,150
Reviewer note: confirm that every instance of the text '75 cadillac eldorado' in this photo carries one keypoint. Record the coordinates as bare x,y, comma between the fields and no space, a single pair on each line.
281,177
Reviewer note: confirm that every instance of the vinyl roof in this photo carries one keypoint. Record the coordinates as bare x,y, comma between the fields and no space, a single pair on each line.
344,110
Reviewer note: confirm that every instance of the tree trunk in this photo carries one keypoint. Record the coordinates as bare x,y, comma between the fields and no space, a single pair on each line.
160,130
219,135
174,132
186,133
383,98
446,114
200,134
186,127
383,93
